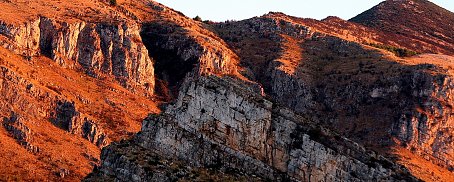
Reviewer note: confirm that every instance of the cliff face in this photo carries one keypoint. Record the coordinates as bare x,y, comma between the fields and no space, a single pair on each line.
83,73
16,127
216,123
53,115
68,118
351,88
274,97
177,53
111,48
426,128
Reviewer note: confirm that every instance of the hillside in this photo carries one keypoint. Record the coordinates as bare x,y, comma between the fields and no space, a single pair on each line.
137,91
77,76
419,20
355,89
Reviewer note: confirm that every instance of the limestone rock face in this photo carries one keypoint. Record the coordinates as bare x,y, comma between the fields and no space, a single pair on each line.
69,119
416,103
24,39
57,116
17,128
14,88
216,122
188,49
61,113
271,98
427,128
180,50
112,48
354,90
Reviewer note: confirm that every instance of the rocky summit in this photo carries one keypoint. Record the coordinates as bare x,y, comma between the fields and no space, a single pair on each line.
132,90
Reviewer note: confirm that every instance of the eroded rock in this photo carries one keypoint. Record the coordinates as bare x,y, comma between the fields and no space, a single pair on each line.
69,119
115,49
19,131
217,122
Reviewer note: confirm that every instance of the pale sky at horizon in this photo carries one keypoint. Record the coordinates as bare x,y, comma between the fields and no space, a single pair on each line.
221,10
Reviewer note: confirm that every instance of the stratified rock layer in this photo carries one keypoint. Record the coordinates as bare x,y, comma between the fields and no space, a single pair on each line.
16,127
216,122
112,48
351,88
69,119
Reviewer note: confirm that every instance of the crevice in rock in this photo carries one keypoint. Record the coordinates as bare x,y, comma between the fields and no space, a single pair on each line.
46,29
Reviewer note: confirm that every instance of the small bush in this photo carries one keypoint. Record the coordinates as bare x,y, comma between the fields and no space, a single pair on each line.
197,18
113,2
400,52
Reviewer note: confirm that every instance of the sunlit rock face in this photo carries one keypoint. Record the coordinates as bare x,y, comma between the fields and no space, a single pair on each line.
136,91
217,122
111,48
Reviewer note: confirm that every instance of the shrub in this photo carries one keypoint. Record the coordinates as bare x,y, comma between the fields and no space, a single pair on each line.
400,52
197,18
113,2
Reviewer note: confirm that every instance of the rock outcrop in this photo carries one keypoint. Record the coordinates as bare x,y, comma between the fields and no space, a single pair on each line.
75,95
69,119
274,97
19,131
349,87
41,93
425,126
179,49
112,48
216,122
16,90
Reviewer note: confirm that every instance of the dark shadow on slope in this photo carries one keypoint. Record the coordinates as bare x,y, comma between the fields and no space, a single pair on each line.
167,44
65,112
255,48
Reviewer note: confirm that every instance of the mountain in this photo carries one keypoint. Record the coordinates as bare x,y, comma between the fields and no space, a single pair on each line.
132,90
77,76
420,20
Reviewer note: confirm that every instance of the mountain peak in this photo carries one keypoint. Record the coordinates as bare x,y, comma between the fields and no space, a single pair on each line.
417,19
408,9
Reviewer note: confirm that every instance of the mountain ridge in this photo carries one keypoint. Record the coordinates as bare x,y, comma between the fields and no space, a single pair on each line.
273,97
412,19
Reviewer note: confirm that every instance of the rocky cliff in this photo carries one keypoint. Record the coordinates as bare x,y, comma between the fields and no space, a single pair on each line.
57,126
16,127
111,48
330,72
273,97
216,123
83,73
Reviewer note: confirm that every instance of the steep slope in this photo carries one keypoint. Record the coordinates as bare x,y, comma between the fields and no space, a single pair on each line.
88,35
414,19
396,42
104,39
334,76
217,123
269,98
58,121
364,93
76,76
178,44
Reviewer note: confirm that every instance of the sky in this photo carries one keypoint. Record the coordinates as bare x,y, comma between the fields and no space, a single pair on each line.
222,10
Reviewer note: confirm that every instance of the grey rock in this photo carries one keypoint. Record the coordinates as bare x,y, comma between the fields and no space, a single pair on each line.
217,122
